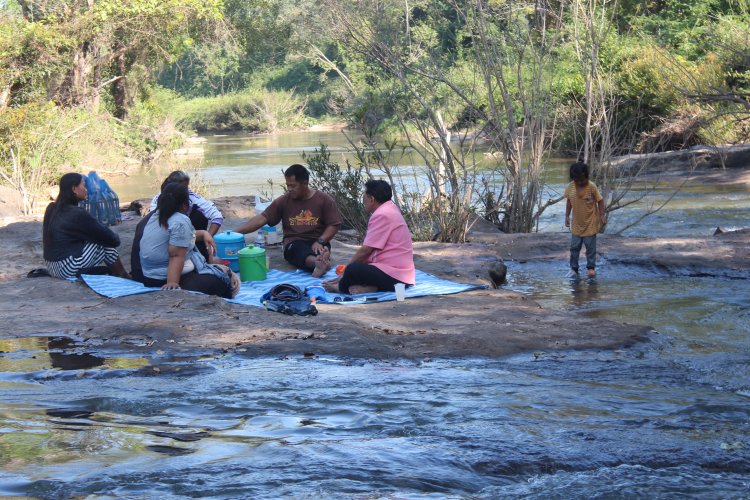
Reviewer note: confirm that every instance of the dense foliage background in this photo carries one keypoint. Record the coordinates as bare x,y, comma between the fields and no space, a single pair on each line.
101,80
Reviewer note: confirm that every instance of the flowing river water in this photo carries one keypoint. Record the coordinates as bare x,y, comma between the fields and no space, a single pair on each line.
667,418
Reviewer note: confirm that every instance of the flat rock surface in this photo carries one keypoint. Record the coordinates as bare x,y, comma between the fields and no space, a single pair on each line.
488,322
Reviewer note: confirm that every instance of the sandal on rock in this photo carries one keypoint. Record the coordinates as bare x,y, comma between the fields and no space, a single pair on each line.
38,272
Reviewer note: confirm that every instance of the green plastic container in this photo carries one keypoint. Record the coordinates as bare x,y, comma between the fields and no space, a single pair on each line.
252,263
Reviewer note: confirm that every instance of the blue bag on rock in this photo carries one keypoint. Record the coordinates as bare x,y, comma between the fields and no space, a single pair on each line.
288,299
102,202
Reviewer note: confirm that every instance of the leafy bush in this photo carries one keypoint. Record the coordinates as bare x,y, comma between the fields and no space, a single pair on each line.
39,142
346,186
250,110
32,147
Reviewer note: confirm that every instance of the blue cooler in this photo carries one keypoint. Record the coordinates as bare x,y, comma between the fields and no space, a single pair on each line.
227,246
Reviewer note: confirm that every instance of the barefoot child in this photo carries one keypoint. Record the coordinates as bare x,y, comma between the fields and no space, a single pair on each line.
589,216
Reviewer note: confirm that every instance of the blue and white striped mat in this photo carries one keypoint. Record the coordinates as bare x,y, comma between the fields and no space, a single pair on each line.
251,291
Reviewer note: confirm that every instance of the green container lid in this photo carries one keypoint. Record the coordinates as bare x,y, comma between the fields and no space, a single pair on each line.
251,251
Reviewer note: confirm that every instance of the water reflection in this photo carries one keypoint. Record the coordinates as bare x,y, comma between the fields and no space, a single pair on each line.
57,348
584,292
242,165
35,354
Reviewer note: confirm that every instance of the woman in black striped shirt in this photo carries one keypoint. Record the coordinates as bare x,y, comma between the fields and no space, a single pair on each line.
74,242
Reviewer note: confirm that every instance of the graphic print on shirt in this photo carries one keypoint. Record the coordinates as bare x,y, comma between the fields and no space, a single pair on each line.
304,218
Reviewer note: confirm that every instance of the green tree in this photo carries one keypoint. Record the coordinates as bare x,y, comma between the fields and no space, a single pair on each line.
94,43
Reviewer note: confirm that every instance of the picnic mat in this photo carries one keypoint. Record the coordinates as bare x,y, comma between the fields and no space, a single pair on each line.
251,291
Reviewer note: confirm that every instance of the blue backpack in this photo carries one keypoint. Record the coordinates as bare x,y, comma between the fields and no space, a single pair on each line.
288,299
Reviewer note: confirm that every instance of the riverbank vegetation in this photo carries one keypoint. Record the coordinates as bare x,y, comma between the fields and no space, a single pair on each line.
480,93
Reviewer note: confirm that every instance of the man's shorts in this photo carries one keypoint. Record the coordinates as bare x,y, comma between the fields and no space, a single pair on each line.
297,251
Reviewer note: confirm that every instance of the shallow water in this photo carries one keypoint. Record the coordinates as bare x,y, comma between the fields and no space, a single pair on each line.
240,164
666,418
236,427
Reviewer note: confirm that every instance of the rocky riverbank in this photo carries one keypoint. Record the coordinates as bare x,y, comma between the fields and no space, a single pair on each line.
488,322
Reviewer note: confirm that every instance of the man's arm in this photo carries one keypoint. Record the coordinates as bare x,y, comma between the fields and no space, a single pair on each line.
328,233
568,208
252,225
602,211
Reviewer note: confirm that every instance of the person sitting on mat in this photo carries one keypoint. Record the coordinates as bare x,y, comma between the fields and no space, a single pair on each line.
386,256
167,257
74,242
202,212
310,219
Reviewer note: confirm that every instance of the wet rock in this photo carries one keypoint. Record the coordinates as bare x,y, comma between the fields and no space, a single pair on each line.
140,207
181,436
498,274
65,413
170,450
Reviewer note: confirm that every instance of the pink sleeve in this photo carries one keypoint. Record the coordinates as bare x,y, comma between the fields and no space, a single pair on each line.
377,231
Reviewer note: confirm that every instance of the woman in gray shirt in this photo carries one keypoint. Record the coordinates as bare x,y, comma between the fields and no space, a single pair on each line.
167,257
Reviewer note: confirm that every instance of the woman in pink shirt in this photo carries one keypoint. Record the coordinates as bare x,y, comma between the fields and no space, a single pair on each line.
386,256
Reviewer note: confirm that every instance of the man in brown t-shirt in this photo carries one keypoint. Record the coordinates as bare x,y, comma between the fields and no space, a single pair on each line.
310,219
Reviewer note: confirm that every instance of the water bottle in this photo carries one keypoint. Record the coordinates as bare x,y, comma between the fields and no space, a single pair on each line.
106,198
111,202
94,200
260,240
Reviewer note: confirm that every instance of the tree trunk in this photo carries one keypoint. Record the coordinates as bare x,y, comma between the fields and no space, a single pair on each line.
119,88
4,97
96,86
80,76
25,10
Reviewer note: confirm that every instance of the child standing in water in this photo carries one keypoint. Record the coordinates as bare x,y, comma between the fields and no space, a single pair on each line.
589,216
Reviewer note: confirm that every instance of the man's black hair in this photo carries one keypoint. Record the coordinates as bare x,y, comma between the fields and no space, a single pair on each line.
380,190
176,176
579,171
299,172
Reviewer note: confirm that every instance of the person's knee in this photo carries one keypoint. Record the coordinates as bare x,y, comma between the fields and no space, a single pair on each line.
298,253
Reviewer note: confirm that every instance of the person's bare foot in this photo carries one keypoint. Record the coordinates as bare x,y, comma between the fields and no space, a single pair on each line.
591,273
322,265
357,289
332,285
